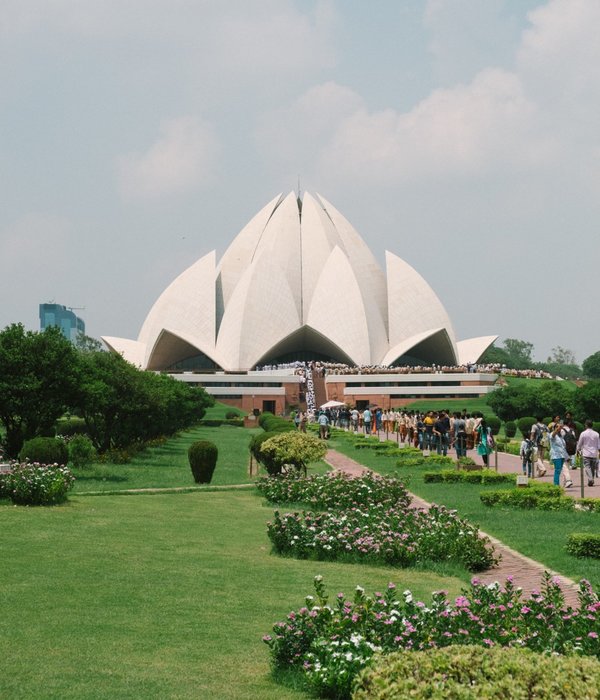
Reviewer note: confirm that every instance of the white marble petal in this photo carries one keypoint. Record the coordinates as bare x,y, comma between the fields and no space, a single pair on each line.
471,349
261,312
132,350
186,308
241,250
338,311
413,306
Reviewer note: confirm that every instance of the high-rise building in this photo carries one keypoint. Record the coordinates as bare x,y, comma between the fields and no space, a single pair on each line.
63,317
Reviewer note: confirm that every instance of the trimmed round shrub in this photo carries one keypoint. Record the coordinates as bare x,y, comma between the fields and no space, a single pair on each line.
44,450
264,417
203,456
473,673
262,458
510,428
525,424
230,415
494,423
81,451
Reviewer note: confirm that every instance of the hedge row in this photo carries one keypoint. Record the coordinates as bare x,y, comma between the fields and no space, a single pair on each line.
474,672
483,476
550,498
584,545
216,422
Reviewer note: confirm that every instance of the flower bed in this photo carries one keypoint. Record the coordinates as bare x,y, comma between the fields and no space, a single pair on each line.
379,532
330,644
36,484
333,490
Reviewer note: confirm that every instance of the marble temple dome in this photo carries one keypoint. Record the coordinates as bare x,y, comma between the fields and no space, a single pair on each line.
297,282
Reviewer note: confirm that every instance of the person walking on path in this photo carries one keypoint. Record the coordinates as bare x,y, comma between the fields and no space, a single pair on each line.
526,454
539,434
558,451
485,441
366,416
588,446
323,421
459,430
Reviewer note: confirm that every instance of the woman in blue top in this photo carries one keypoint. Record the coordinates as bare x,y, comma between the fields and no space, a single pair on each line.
485,441
558,452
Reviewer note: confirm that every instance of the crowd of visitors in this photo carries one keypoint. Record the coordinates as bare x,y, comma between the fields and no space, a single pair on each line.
441,431
333,368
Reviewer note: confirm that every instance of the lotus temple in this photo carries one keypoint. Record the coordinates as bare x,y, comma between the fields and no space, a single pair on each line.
296,289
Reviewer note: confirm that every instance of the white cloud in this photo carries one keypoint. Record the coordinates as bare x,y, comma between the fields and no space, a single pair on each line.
297,132
464,130
181,160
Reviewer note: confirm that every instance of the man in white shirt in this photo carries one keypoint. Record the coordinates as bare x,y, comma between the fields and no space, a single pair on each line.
588,446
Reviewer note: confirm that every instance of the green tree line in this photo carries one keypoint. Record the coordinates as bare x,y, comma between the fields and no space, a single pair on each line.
518,354
546,398
43,376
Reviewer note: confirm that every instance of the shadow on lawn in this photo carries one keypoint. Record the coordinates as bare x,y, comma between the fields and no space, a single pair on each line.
105,476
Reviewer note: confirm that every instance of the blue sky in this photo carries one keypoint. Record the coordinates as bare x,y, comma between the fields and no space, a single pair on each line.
462,135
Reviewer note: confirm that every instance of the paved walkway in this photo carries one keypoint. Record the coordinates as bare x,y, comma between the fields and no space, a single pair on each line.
526,572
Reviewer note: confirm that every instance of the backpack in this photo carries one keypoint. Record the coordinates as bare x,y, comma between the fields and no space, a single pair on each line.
570,441
541,435
528,451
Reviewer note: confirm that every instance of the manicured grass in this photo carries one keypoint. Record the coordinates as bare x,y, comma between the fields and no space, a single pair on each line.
167,466
159,596
220,411
541,535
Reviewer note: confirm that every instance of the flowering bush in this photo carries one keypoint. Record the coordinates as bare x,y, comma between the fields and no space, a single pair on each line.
331,643
333,490
384,533
35,484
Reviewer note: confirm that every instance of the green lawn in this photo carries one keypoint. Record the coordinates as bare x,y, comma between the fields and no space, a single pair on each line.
167,466
541,535
158,596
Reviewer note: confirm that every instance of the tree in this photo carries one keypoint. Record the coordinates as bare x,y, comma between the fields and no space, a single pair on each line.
586,401
38,375
293,448
122,404
513,401
519,352
591,366
553,398
562,356
84,343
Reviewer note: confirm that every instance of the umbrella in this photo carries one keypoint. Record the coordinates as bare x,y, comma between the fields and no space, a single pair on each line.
332,404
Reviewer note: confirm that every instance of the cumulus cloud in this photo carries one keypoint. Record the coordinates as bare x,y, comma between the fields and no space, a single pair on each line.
181,160
460,130
538,116
297,132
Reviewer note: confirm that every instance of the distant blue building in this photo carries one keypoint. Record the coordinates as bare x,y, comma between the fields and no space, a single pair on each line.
58,315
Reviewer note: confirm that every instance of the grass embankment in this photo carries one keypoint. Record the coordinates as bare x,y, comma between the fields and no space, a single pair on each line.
541,535
160,596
